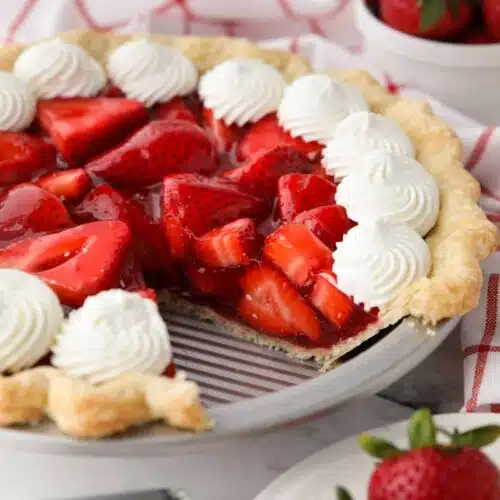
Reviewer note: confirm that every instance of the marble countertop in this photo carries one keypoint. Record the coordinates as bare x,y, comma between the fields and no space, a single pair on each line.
241,470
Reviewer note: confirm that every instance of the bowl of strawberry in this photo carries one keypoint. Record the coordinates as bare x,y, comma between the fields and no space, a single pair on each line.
449,49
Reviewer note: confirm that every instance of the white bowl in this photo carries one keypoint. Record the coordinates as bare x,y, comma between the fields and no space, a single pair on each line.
466,77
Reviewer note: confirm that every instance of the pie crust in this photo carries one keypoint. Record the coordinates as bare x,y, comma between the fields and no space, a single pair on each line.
460,240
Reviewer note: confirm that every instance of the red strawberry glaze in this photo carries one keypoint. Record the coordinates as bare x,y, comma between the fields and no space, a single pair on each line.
200,225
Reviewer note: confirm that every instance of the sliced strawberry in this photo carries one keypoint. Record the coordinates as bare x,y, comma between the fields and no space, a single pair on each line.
266,134
111,91
329,223
27,210
231,245
299,192
175,109
148,293
67,184
158,149
82,128
225,135
335,305
75,263
271,303
260,176
192,205
106,203
132,279
212,282
23,157
170,370
297,252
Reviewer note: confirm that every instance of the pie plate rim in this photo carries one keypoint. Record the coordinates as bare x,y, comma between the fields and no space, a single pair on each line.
274,411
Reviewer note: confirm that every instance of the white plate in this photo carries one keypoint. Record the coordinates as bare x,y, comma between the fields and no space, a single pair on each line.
347,465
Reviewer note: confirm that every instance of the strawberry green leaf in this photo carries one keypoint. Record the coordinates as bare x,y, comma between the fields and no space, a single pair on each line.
343,494
477,438
377,447
421,429
431,13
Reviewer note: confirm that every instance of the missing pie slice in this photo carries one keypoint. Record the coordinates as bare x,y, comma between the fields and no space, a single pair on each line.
301,211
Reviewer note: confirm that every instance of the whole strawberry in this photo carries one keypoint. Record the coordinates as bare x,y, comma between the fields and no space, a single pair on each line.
430,470
437,19
491,14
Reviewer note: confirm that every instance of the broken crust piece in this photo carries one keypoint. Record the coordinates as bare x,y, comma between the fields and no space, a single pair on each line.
84,411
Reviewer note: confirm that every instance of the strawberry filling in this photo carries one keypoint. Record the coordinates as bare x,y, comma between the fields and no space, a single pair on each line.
241,219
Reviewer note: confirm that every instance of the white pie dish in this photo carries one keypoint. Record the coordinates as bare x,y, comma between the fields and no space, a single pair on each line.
449,72
374,369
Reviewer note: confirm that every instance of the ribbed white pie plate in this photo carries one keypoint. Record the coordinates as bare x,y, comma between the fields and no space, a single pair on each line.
345,464
250,389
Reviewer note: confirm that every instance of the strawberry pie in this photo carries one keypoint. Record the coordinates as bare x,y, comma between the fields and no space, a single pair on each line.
302,211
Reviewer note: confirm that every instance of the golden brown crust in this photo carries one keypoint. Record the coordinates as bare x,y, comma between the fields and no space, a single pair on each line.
461,238
87,411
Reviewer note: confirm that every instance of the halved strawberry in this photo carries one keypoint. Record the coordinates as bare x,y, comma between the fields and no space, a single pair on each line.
23,157
231,245
329,223
272,304
299,192
297,252
67,184
106,203
214,282
75,263
81,128
266,134
260,175
27,210
175,109
335,305
192,205
160,148
225,135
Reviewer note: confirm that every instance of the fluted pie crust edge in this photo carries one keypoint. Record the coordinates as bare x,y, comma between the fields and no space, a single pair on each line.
461,239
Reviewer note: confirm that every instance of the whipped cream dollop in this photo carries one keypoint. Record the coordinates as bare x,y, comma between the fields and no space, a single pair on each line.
377,259
360,134
313,106
241,91
151,72
31,317
59,69
17,103
114,333
391,187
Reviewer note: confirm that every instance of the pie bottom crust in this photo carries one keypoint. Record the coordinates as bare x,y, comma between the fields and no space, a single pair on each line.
460,240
